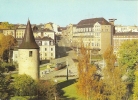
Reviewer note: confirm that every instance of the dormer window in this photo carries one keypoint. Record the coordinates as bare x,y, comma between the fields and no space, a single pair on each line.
30,53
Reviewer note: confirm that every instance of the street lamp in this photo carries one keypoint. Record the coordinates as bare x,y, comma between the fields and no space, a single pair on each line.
67,70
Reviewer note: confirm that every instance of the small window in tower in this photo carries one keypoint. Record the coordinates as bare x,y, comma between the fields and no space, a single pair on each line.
30,53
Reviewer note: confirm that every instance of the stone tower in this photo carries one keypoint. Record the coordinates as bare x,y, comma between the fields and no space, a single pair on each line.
29,54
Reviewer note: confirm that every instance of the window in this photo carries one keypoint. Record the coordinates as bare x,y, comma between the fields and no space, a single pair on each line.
45,54
89,29
45,49
51,49
92,44
45,43
30,53
51,54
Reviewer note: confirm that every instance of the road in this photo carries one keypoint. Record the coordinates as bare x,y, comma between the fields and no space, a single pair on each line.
64,53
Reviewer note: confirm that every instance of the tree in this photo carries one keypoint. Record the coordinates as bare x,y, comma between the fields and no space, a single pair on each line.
6,43
24,85
88,84
114,87
135,89
6,25
128,56
5,81
46,90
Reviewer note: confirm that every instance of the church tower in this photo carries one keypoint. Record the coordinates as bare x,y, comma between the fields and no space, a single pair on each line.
29,54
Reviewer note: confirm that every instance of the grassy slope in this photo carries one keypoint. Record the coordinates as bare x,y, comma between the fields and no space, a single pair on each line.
71,92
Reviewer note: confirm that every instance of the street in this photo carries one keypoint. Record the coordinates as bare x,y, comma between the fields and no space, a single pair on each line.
64,54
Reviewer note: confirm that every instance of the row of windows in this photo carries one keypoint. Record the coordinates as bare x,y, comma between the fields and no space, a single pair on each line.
50,49
93,44
50,43
92,34
46,54
98,28
96,44
19,33
126,36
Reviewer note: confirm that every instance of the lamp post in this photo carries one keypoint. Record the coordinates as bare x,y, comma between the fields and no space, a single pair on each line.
67,70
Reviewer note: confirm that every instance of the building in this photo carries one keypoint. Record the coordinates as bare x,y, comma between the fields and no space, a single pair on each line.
120,28
45,38
28,54
54,27
119,38
9,32
95,33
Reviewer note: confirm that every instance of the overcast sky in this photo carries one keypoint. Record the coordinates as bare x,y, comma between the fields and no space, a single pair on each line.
64,12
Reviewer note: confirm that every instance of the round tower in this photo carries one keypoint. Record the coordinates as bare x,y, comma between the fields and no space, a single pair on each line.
29,54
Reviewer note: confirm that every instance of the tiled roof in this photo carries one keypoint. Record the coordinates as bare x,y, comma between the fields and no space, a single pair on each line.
125,33
43,30
43,38
91,22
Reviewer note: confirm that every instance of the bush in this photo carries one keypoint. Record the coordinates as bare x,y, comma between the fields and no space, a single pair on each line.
24,85
24,98
8,66
46,90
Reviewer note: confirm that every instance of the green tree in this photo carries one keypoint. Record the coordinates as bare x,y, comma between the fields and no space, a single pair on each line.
114,87
5,81
24,85
6,25
128,56
135,89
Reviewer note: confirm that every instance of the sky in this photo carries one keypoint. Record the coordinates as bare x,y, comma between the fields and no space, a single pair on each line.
65,12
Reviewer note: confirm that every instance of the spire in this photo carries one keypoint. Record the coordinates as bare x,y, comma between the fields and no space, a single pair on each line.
28,40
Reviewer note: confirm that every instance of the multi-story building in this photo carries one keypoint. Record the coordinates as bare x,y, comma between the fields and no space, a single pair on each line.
95,33
19,33
44,38
119,38
54,27
120,28
69,31
9,32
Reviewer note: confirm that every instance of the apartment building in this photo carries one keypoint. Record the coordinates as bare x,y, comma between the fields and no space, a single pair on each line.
96,33
120,28
119,38
19,33
44,38
9,32
54,27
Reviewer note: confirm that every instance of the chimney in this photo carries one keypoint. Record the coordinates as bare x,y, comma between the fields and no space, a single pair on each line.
111,21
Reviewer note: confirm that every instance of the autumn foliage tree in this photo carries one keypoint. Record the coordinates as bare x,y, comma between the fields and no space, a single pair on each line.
88,84
114,87
6,43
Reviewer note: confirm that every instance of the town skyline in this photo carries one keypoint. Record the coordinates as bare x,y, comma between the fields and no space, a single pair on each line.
64,13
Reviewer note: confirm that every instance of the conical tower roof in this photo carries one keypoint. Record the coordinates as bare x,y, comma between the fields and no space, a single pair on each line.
28,40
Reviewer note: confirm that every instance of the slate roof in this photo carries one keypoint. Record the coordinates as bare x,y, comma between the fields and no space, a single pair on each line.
125,33
28,40
91,22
